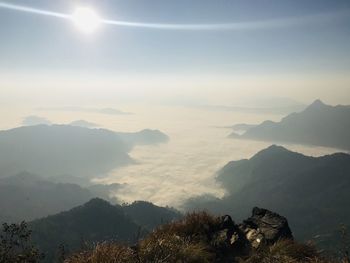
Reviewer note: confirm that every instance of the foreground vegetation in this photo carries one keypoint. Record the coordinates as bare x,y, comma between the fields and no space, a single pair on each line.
284,251
197,238
189,241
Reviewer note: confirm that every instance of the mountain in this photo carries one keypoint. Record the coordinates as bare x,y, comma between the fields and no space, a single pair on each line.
96,221
54,150
27,196
319,124
84,123
144,137
149,215
312,192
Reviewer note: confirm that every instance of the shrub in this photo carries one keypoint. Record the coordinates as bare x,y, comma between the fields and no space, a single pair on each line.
190,240
105,253
196,227
284,251
16,246
168,247
183,241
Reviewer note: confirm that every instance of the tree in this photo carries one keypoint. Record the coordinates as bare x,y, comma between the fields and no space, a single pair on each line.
16,246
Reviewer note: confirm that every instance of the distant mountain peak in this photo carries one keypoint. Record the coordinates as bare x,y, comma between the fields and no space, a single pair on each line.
319,124
272,152
97,202
317,104
274,149
84,124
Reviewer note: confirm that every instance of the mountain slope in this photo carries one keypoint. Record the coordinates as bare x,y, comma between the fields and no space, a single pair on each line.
313,193
318,124
97,220
54,150
149,215
26,197
144,137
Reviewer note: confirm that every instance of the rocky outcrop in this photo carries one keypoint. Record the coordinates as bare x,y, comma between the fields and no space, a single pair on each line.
201,237
228,239
265,227
262,228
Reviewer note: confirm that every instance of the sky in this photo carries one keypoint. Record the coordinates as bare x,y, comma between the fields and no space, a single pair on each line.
297,49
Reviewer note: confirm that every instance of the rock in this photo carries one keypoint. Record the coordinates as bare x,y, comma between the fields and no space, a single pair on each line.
228,240
226,222
223,231
265,227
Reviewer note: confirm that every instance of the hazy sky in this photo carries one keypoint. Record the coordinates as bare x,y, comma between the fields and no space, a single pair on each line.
293,48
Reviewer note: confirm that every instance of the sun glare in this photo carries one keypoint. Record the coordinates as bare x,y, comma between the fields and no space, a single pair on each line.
86,19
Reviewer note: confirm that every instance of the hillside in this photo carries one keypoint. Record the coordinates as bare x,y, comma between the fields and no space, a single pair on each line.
198,237
97,220
94,221
144,137
54,150
310,192
264,237
319,124
149,215
26,197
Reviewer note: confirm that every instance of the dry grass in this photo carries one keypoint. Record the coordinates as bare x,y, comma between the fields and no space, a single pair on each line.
181,241
105,253
161,247
288,251
189,241
194,226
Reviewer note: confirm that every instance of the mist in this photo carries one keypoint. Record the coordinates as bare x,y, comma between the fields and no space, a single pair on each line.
185,166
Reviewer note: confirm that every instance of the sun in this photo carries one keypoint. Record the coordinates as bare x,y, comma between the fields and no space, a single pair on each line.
86,19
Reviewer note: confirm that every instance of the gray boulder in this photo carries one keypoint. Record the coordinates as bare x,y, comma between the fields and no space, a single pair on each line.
265,227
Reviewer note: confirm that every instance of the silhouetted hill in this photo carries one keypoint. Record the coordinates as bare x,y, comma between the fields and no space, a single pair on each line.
95,221
149,215
61,149
318,124
313,192
144,137
83,123
27,196
68,150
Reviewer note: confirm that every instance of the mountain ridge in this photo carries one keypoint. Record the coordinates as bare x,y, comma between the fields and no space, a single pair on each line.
319,124
54,150
96,221
310,191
